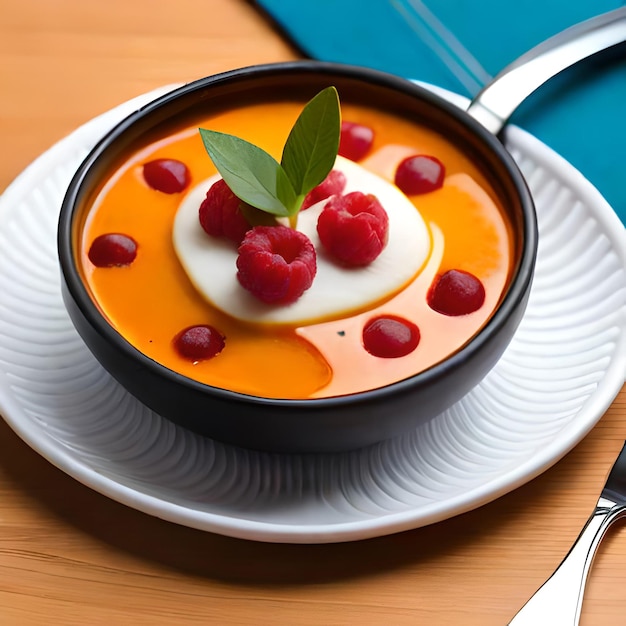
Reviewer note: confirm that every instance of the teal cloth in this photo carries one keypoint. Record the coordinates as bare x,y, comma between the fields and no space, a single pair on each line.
460,45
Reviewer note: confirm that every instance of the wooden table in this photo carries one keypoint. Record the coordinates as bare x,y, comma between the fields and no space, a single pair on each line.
70,556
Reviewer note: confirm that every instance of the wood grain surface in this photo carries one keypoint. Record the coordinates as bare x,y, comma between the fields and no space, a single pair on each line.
70,556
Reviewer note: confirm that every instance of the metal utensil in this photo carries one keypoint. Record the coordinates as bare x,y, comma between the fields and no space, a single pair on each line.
497,101
559,601
500,97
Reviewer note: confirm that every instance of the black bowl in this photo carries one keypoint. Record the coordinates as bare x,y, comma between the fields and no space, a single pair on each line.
316,425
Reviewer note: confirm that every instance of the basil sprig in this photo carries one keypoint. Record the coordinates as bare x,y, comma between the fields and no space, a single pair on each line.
309,154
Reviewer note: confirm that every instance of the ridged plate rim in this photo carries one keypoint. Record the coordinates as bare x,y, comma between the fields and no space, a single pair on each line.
373,494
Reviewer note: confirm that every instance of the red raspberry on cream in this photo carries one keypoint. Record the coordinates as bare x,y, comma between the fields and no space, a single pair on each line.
276,264
334,183
220,213
353,228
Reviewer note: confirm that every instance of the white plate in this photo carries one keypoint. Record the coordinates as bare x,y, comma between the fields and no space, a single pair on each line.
563,369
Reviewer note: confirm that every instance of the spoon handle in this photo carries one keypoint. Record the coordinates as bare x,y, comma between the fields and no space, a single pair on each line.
497,101
558,601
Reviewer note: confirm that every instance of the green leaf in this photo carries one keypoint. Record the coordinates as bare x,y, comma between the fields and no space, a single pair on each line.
311,148
252,174
309,154
285,192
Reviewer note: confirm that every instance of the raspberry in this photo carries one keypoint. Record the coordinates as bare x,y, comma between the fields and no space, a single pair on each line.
355,140
198,343
353,228
112,249
419,174
276,264
390,337
456,293
166,175
220,213
334,183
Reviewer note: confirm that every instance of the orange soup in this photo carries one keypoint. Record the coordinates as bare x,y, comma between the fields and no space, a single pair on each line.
153,299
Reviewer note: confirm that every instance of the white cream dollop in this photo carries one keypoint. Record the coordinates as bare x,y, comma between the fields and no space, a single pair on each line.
336,290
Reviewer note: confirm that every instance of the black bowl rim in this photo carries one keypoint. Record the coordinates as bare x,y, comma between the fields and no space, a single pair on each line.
517,292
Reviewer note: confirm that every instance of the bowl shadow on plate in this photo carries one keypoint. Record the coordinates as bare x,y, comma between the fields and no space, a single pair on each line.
57,496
